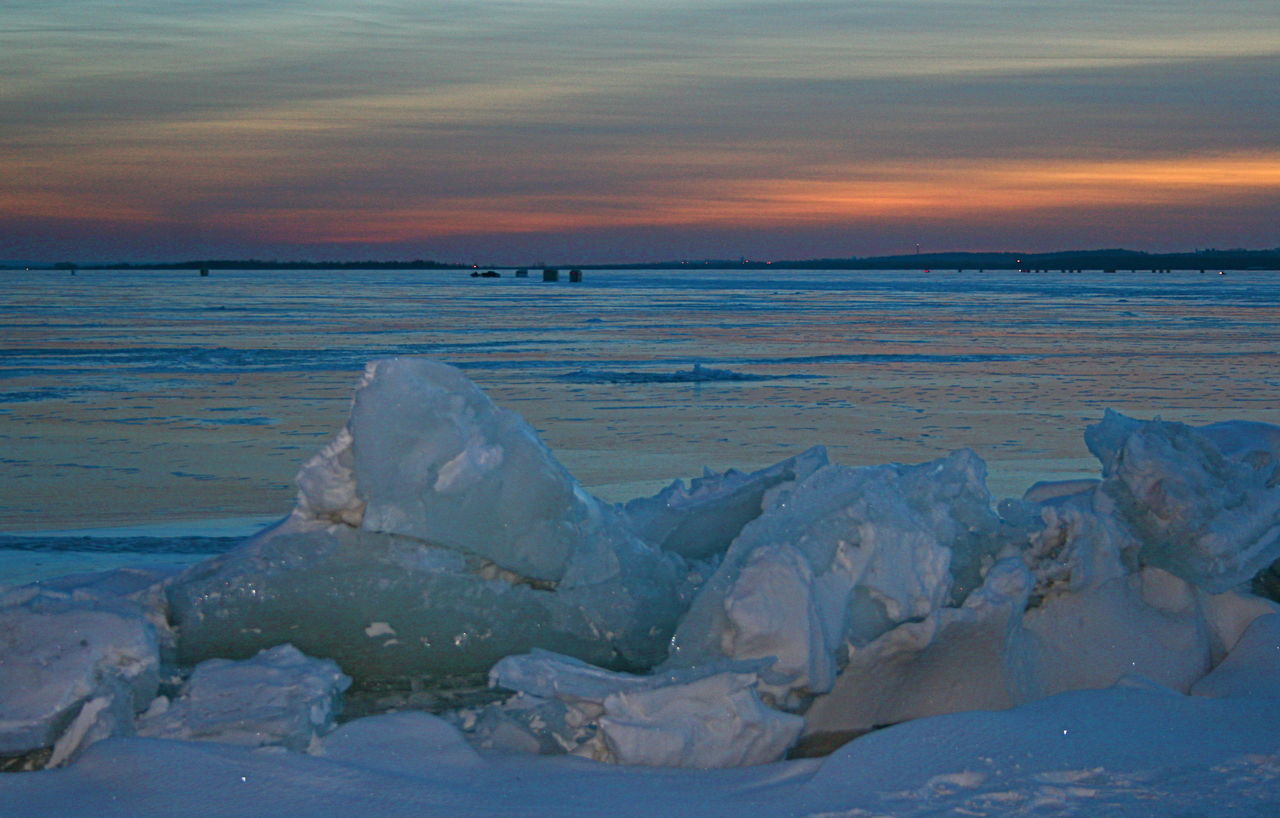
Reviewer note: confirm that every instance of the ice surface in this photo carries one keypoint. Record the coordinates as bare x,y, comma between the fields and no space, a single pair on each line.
841,556
278,698
701,519
705,717
447,521
1047,490
1207,513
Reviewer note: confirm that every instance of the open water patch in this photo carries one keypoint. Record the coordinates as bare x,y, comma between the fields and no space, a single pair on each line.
697,374
34,395
55,361
119,545
242,421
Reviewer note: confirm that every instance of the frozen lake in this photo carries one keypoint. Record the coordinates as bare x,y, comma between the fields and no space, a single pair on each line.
1095,654
160,397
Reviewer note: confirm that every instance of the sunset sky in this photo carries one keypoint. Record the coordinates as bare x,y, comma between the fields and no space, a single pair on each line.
512,132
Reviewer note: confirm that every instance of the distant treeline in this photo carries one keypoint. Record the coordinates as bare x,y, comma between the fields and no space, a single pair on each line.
1109,260
258,264
1117,260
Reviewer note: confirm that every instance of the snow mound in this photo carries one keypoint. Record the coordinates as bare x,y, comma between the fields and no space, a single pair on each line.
406,743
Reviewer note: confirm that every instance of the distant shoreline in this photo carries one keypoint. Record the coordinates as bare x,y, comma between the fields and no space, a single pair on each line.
1113,260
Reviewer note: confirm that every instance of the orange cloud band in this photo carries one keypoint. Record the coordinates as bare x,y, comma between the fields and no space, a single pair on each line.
837,194
955,191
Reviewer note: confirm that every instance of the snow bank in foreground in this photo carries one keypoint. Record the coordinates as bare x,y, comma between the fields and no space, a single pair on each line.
1116,752
436,539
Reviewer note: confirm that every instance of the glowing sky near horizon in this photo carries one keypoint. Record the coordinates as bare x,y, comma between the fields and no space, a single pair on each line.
504,132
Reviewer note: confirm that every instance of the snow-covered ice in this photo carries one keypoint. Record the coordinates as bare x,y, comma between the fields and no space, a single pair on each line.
1092,648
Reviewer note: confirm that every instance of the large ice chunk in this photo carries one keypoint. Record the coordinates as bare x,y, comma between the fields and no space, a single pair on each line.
435,535
427,455
952,660
717,721
1207,513
70,668
1079,543
700,520
843,555
279,697
705,717
390,608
